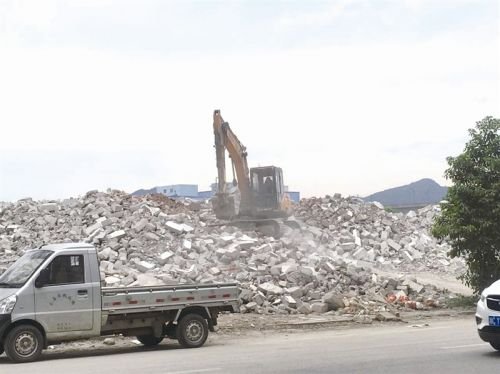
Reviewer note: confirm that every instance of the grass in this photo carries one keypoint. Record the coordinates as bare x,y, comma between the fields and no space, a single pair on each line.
462,301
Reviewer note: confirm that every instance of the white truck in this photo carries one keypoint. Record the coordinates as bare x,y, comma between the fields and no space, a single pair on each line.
53,294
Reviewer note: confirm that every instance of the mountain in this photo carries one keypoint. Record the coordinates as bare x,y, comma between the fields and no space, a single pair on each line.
423,192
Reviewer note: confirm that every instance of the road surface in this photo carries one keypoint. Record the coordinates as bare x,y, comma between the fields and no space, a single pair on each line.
450,346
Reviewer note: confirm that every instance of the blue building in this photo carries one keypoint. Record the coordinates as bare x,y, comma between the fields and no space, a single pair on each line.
294,196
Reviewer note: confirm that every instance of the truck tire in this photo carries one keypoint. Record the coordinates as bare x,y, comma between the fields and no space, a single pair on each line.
149,340
495,345
192,331
24,343
1,349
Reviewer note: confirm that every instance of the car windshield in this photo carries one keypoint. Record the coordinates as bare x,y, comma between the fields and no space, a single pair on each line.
17,275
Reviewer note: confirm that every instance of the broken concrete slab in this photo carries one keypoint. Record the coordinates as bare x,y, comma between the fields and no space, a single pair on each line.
270,288
319,307
144,266
117,234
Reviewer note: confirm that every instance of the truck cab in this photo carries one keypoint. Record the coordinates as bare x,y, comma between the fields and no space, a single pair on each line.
53,294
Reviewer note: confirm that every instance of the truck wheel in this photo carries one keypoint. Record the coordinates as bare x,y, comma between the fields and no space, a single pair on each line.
495,345
192,331
24,343
149,340
1,349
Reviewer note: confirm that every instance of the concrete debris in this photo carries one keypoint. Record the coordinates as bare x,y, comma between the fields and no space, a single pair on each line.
48,207
175,227
304,308
117,234
270,289
319,308
334,301
386,317
109,341
144,266
348,257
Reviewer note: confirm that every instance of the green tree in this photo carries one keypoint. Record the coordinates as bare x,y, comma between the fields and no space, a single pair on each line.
470,219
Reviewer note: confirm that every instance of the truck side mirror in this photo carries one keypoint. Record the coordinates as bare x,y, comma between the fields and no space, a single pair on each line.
43,278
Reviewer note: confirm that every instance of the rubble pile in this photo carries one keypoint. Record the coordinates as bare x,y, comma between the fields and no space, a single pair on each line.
367,232
330,265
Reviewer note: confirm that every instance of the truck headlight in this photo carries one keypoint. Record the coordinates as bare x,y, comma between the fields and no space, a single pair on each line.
7,304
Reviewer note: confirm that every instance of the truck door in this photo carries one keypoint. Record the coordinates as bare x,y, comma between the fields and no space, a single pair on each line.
65,302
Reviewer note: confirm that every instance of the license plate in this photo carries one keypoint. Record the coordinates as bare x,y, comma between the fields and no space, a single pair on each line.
494,320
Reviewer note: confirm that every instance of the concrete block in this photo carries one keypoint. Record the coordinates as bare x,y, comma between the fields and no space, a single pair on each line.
214,271
386,317
117,234
144,266
175,227
319,308
187,228
290,301
164,257
146,280
108,254
270,289
151,236
112,281
415,287
347,247
304,308
407,256
392,244
91,229
251,305
49,207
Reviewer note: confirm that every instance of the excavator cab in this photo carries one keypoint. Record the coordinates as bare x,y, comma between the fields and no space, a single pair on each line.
268,191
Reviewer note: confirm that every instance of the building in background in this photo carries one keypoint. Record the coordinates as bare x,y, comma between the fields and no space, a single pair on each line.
179,190
293,195
190,191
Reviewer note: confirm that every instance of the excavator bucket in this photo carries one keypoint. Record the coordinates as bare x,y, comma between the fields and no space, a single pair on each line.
225,206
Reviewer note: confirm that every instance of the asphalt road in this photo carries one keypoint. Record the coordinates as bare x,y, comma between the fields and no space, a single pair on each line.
442,347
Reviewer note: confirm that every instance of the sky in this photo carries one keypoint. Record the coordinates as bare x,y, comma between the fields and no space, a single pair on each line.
346,96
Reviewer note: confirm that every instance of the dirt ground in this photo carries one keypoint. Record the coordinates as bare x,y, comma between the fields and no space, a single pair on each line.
251,325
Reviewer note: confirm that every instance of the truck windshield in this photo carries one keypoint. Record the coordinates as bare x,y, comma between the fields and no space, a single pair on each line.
19,273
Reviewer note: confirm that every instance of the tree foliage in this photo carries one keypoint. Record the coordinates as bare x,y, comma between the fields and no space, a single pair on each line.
470,217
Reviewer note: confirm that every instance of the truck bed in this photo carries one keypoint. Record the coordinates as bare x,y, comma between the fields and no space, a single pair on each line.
157,298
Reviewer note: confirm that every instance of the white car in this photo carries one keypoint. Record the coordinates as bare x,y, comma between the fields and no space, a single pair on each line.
488,315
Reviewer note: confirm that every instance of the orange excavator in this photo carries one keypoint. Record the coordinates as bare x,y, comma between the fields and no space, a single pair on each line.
260,200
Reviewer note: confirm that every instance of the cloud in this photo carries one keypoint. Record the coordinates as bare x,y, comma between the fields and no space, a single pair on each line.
325,15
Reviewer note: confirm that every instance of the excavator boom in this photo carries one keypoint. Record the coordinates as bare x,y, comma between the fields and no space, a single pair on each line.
225,139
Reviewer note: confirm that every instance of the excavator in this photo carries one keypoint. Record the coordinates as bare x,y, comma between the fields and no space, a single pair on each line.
259,201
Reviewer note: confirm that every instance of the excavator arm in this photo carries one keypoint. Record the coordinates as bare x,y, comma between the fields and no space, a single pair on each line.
224,204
